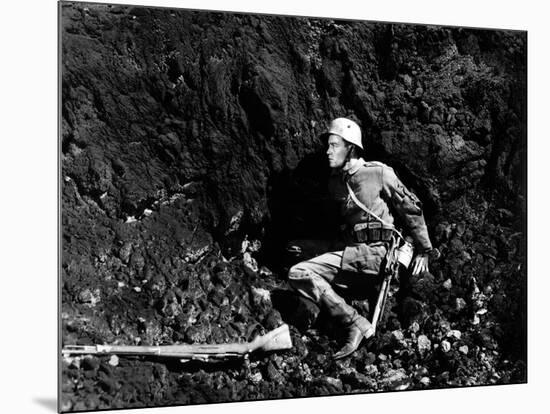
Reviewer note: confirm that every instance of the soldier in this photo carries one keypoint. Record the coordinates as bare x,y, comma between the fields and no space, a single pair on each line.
368,194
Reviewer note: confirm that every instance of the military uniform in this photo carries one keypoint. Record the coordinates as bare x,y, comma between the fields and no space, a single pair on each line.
378,188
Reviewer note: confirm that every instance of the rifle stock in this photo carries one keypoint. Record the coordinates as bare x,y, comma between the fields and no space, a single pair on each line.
277,339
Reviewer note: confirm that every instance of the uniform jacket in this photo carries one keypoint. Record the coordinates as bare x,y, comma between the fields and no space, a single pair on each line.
376,185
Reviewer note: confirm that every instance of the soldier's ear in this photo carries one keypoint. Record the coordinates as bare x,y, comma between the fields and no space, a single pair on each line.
356,151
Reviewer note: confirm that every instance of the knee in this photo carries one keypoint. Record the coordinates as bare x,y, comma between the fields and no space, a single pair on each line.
296,272
300,276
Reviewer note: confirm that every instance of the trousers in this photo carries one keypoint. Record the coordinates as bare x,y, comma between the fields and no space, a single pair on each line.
320,277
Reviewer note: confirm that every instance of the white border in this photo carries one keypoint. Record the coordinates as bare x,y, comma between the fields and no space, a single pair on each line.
28,207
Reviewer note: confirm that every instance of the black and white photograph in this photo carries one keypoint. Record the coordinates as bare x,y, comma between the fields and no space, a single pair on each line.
260,207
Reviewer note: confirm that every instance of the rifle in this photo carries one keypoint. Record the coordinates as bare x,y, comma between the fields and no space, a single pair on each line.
277,339
394,257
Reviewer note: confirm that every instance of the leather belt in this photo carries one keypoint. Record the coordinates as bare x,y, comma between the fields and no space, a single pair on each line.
372,232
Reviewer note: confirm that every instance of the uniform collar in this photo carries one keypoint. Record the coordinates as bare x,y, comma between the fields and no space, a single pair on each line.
352,166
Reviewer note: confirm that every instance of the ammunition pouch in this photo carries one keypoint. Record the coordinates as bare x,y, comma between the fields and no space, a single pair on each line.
372,232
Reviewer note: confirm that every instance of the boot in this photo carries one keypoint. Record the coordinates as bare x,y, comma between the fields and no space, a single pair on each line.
360,329
358,326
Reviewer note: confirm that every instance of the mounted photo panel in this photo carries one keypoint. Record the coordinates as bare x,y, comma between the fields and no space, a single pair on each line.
263,207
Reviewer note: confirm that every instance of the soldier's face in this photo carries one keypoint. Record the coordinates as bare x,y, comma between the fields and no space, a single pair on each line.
337,151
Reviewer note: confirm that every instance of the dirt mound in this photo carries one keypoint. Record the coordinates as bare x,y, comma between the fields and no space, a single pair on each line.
191,154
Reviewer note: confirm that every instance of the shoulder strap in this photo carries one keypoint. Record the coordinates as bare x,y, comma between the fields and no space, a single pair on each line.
366,209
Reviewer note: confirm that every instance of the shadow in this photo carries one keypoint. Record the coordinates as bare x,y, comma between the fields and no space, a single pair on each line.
48,403
299,207
192,366
295,309
175,364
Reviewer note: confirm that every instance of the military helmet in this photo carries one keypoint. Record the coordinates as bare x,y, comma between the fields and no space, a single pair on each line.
346,129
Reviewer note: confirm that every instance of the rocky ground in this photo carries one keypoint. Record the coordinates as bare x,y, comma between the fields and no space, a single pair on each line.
191,156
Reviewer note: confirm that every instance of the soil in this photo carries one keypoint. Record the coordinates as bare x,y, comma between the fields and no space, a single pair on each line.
192,154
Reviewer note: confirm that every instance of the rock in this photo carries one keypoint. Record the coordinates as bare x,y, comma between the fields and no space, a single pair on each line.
460,228
415,309
113,360
415,327
398,339
273,373
305,372
66,405
265,272
249,263
448,284
370,358
443,231
464,349
397,335
250,246
395,379
460,304
384,340
423,344
506,213
125,251
85,296
407,80
255,378
89,297
137,261
90,364
456,334
486,339
425,381
382,357
107,384
371,370
420,372
335,382
72,362
196,255
235,222
278,362
445,346
260,295
443,377
444,325
355,379
273,320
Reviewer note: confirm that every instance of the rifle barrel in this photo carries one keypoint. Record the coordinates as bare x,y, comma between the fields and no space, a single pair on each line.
276,339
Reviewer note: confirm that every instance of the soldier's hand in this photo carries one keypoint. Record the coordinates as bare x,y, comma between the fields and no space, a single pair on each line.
420,264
